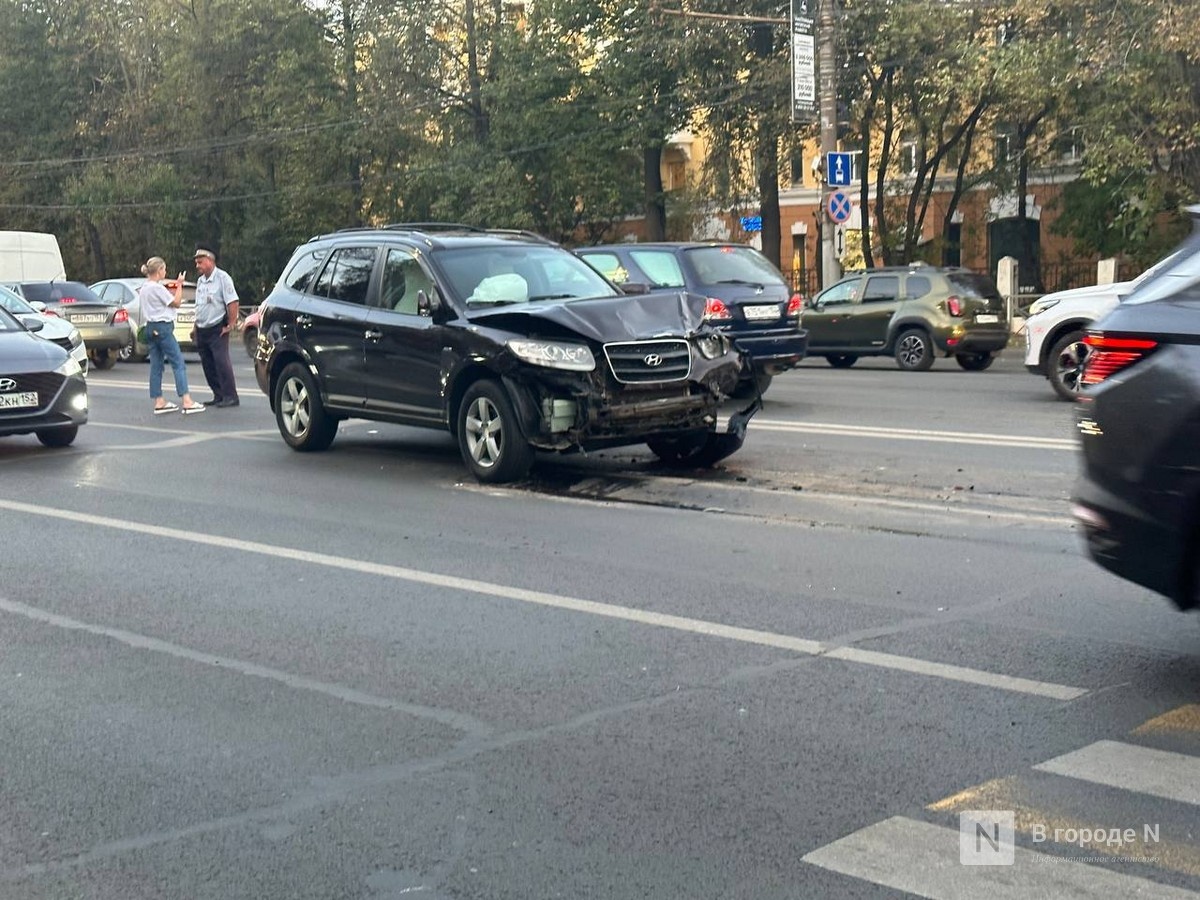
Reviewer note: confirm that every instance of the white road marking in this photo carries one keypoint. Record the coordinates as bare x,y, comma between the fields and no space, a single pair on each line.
922,859
573,604
1172,776
455,720
915,434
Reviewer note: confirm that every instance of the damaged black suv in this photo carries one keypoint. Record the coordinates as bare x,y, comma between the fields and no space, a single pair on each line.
505,339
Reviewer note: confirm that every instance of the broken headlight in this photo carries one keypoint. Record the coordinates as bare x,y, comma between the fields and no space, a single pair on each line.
554,354
712,346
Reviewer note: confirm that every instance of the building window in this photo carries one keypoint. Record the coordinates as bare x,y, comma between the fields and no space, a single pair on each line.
1069,145
797,164
908,158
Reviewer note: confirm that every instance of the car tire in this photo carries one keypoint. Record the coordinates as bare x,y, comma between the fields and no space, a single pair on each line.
693,451
299,412
914,353
974,362
58,437
1064,364
250,340
841,360
103,359
489,436
752,386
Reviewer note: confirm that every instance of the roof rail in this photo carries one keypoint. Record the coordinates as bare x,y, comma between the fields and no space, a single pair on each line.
521,232
431,226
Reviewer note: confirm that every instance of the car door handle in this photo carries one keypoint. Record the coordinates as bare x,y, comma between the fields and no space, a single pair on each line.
372,335
304,320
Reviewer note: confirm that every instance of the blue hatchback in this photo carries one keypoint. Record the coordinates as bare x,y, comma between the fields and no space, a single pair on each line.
746,296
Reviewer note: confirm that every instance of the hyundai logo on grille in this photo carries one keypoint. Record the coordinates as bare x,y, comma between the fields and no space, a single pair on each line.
7,384
653,360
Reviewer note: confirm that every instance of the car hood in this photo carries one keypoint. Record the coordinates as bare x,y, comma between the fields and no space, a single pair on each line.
25,352
1117,289
604,319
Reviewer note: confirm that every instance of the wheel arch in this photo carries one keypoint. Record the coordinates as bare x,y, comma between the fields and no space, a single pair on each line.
280,360
898,328
1056,333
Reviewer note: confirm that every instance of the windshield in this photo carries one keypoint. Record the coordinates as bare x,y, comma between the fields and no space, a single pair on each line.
972,285
62,292
732,265
501,275
14,304
8,323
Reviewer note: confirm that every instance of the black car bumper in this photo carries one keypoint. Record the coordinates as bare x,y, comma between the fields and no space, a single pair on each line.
976,342
773,351
1130,543
62,402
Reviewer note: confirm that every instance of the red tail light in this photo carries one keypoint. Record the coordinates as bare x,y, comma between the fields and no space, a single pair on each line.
716,309
120,316
1109,355
50,312
67,300
954,306
794,305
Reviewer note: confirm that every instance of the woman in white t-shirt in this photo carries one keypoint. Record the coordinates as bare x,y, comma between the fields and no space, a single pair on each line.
159,309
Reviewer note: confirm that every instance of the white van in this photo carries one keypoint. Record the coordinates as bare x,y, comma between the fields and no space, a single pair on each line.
30,256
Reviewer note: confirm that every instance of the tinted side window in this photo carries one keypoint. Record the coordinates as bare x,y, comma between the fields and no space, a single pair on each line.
881,288
917,287
608,265
347,275
302,272
846,292
660,266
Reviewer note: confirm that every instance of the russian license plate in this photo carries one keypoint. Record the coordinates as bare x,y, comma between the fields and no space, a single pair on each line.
761,312
987,319
88,318
186,318
28,399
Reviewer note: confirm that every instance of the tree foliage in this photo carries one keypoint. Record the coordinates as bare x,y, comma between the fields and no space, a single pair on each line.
132,129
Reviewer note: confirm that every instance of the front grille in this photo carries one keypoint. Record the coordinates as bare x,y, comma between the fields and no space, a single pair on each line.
65,343
649,362
46,384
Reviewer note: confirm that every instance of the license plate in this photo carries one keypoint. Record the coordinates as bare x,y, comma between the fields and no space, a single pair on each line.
19,401
761,312
186,318
88,319
987,319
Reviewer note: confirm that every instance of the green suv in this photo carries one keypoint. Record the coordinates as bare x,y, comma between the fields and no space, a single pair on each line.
913,313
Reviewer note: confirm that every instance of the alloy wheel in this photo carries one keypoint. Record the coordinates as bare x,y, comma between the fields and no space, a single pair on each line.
484,431
295,407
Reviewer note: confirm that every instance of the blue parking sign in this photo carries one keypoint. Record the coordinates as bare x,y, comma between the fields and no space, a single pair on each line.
838,168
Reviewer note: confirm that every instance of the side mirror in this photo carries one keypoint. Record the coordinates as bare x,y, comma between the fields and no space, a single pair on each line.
634,287
33,323
428,304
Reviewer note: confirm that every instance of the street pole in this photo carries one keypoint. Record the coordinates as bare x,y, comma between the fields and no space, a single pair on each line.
831,267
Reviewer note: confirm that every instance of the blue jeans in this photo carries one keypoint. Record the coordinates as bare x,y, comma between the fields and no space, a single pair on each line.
161,338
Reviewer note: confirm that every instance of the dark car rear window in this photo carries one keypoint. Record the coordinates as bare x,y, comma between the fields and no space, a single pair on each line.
56,291
970,284
730,265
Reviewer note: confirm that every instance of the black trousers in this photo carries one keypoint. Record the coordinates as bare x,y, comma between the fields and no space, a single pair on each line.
214,358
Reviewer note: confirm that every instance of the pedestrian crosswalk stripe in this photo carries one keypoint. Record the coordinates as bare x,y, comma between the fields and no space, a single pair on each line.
1036,818
923,860
1172,776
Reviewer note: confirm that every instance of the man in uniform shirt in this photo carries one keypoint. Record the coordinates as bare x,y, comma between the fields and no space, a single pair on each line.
216,317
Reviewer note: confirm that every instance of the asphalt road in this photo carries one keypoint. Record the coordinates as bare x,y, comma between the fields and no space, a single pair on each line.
228,670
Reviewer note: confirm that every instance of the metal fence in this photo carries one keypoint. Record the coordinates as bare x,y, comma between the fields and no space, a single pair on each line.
1055,276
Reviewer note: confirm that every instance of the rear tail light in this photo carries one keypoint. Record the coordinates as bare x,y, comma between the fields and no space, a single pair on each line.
50,312
120,316
954,306
67,300
716,309
1109,355
794,305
